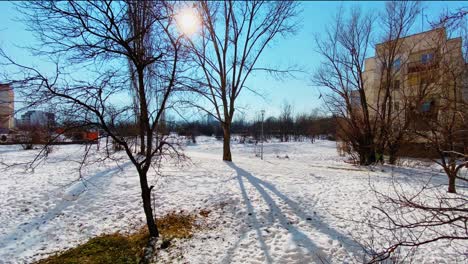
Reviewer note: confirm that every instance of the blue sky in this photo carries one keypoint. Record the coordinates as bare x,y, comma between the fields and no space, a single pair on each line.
296,50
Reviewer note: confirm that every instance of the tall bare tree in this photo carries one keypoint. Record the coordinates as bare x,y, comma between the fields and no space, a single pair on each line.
444,125
360,101
396,21
140,16
98,38
344,47
233,37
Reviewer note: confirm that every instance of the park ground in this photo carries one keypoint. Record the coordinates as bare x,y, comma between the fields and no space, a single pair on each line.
301,204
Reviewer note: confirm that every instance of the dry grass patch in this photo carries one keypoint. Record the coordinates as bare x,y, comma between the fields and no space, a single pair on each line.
120,248
175,226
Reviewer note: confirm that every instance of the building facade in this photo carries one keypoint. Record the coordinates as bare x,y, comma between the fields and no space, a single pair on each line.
427,71
7,108
37,118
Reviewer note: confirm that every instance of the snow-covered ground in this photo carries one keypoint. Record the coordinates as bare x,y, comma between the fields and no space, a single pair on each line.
292,207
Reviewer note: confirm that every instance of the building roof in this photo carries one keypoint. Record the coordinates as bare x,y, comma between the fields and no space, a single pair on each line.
5,87
416,34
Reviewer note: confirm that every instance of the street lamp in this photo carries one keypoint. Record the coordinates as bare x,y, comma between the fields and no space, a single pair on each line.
263,115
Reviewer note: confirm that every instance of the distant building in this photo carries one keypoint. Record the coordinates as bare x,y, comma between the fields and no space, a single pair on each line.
37,118
7,108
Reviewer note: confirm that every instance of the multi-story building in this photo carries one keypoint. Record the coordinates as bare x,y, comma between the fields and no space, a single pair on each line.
37,118
7,108
428,71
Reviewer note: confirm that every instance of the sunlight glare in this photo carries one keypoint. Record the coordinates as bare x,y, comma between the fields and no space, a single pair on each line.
187,21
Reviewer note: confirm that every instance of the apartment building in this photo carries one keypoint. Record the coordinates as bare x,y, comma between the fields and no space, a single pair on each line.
7,108
428,71
37,118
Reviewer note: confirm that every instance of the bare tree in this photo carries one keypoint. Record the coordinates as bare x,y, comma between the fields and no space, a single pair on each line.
410,218
233,37
389,106
406,84
98,38
344,48
286,122
139,19
453,19
443,125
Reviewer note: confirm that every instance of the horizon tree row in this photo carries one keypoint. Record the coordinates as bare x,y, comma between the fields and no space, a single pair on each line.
284,127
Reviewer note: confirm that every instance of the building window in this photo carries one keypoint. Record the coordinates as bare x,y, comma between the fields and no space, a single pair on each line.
396,84
427,106
397,64
413,80
427,58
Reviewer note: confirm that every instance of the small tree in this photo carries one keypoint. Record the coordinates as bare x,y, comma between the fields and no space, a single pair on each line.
107,34
286,122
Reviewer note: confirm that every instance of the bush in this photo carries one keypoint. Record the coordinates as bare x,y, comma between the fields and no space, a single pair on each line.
27,146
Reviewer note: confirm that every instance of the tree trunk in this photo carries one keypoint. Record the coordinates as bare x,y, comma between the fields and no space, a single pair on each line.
393,156
379,155
392,159
371,159
451,187
366,157
146,196
367,154
227,143
144,121
142,141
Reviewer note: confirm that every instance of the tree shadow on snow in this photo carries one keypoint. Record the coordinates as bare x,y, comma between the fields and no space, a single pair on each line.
417,176
24,230
315,254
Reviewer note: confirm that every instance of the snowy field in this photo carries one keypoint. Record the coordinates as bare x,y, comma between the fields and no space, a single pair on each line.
292,207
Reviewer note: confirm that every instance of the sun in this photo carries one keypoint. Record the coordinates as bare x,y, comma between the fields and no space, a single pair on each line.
187,21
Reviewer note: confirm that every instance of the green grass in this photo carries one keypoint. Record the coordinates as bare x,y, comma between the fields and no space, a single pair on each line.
119,248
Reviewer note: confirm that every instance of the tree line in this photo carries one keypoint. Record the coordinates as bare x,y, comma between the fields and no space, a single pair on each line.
285,127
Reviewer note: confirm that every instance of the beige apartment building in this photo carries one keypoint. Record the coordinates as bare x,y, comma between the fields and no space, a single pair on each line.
6,108
428,71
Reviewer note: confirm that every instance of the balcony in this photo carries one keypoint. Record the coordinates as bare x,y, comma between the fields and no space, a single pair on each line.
414,67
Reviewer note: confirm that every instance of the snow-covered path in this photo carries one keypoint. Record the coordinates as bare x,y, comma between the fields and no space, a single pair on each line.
279,210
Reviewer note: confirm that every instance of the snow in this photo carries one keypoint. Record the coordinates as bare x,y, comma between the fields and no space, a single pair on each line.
279,210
